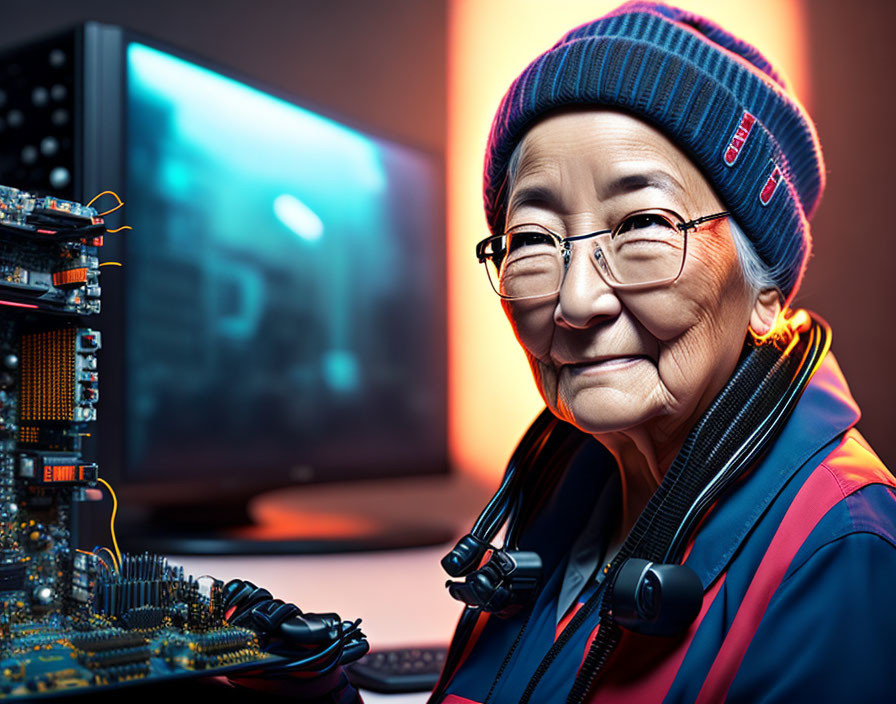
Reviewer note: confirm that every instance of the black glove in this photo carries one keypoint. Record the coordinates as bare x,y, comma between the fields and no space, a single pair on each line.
314,646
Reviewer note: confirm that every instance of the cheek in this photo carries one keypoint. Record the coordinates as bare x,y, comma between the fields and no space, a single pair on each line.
533,325
665,314
699,321
709,294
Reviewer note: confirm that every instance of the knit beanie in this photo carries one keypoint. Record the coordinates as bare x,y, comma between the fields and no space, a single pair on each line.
715,96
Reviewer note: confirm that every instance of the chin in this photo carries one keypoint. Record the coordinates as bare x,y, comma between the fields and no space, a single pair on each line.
603,400
602,410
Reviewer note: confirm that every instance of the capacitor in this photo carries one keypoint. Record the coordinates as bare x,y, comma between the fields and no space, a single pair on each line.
38,538
43,595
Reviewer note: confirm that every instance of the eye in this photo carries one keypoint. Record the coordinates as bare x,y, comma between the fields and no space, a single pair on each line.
524,262
641,223
520,242
646,247
524,241
521,239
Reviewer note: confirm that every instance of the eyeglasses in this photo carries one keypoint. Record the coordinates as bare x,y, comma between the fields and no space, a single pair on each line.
647,248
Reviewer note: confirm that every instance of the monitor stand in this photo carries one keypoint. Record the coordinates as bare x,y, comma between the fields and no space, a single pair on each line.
326,518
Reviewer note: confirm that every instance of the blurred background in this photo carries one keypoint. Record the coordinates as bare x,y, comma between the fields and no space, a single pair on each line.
409,88
430,73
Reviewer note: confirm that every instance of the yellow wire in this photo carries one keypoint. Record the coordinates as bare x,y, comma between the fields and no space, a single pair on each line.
119,229
96,198
112,520
111,559
111,264
106,193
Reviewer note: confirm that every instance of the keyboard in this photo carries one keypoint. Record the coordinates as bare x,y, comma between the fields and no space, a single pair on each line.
397,671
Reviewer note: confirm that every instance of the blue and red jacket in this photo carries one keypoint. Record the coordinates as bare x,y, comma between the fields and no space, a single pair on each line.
798,565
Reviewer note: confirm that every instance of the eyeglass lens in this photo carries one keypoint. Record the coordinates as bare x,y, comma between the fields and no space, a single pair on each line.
528,261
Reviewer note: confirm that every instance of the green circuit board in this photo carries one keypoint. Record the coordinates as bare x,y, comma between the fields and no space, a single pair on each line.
74,619
160,629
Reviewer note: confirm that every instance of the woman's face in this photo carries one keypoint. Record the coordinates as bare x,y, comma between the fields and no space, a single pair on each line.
610,360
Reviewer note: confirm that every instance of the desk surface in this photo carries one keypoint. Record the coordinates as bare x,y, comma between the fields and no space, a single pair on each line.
399,594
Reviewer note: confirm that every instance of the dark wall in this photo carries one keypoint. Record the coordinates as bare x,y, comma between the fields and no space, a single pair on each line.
851,278
381,65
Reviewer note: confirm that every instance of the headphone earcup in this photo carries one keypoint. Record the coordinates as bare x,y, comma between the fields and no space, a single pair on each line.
655,599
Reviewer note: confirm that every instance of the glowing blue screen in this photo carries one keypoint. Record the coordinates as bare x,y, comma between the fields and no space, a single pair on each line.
283,302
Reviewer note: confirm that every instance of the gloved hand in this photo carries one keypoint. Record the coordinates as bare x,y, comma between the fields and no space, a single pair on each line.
314,646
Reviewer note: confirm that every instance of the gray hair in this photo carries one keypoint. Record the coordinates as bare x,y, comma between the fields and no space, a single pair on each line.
758,275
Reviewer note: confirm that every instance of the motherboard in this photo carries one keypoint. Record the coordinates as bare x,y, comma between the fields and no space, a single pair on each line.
74,619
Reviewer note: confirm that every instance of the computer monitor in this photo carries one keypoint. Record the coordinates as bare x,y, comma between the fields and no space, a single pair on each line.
279,315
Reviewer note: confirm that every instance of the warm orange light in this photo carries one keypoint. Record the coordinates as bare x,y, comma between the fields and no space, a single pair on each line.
787,326
273,522
492,395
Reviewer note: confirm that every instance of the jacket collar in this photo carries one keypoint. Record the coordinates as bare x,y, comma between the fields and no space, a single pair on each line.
825,411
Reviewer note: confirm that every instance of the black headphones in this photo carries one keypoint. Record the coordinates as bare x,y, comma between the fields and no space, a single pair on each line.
655,596
510,577
657,599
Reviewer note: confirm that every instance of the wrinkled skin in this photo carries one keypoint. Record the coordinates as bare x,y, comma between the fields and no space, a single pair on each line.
633,368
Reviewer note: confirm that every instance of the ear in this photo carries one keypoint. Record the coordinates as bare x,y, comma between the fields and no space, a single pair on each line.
766,309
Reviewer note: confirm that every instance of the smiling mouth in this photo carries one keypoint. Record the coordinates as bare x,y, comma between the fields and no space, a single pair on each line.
596,367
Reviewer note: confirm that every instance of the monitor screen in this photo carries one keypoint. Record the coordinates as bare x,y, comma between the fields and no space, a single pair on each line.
283,302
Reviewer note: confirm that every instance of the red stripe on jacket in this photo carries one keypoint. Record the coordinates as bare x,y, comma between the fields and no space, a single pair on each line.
846,470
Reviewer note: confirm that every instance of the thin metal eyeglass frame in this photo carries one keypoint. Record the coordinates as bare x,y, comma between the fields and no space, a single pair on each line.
563,245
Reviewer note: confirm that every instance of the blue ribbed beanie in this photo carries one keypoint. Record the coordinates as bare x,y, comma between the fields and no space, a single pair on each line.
713,95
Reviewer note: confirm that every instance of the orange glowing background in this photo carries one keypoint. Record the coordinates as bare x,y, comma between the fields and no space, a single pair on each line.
492,396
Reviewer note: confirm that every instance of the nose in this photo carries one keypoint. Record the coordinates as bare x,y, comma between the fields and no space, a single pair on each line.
585,297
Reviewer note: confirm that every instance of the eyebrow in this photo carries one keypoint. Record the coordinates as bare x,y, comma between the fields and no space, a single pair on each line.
630,183
533,194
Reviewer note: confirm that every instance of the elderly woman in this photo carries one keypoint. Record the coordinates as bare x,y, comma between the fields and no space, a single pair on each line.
696,519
